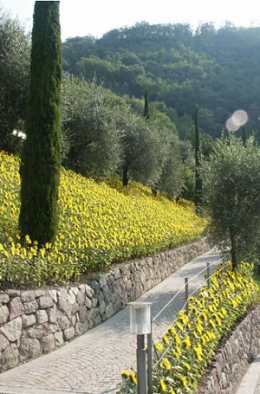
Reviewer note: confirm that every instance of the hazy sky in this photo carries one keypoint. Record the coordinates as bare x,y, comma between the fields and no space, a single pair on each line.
95,17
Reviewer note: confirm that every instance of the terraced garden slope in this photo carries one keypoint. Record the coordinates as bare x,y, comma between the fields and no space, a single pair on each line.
99,224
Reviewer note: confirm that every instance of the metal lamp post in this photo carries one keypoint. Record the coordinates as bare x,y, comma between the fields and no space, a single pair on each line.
141,326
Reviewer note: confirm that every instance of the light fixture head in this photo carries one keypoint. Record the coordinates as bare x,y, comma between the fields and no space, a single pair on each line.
140,318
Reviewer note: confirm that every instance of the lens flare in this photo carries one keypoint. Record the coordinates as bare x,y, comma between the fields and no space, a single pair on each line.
238,119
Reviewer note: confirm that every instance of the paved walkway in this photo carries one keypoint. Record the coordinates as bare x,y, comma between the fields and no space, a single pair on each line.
257,371
251,381
92,363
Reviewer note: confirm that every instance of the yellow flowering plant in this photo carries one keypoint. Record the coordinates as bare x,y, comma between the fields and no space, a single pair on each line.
193,339
100,223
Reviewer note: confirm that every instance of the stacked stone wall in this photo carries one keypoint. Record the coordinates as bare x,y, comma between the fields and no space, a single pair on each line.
34,322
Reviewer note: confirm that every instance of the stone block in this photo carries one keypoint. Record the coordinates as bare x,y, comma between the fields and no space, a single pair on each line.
109,311
74,290
45,302
16,308
3,343
14,292
94,302
88,303
52,313
27,296
71,297
69,333
4,314
53,295
29,348
89,291
48,343
64,304
42,316
13,329
81,297
40,293
30,307
59,338
28,320
83,314
4,298
63,321
10,357
36,332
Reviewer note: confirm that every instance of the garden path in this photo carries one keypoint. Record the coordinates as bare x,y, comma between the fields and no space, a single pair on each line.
251,381
92,363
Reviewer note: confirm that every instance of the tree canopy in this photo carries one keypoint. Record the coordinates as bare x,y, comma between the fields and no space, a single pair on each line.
231,180
216,69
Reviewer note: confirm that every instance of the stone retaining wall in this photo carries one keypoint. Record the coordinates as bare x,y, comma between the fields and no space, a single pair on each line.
232,360
33,322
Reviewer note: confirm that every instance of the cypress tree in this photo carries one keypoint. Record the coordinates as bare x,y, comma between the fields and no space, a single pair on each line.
147,116
125,178
244,135
41,160
146,106
198,180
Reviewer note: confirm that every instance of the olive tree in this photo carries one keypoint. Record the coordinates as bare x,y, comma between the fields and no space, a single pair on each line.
14,78
141,149
172,177
90,128
231,179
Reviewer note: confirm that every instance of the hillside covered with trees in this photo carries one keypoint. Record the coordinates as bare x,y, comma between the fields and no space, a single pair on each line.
216,69
108,129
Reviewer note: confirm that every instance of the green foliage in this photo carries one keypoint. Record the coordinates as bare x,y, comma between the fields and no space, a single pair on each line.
114,74
108,135
198,180
141,150
231,179
172,178
14,79
89,122
40,166
76,48
215,68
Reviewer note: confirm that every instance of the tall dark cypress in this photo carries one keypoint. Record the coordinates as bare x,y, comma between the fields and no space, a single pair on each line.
146,106
244,135
40,166
198,180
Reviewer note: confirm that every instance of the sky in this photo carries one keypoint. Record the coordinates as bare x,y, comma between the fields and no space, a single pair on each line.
96,17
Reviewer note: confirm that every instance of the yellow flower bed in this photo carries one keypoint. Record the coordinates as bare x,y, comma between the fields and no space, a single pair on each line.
98,225
186,349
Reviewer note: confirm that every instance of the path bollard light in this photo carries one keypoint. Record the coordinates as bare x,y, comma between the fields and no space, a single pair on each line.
141,325
208,274
186,284
140,318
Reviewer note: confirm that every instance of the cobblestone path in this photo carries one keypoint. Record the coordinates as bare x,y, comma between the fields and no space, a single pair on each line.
92,363
257,389
250,383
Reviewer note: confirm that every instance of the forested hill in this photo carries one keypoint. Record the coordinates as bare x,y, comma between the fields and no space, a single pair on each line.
216,69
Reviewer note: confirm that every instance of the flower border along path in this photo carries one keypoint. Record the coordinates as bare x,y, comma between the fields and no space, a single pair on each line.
93,363
190,344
